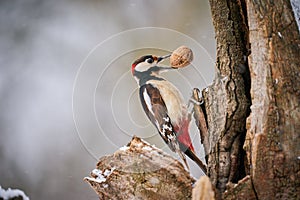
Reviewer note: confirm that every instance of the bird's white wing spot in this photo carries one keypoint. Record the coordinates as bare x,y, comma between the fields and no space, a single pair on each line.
166,127
148,101
167,119
170,137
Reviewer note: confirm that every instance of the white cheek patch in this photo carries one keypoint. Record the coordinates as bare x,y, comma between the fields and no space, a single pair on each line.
142,67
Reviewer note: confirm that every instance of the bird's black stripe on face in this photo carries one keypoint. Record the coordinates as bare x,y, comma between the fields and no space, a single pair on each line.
141,59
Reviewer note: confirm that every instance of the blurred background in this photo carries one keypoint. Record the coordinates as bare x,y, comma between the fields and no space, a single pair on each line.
67,94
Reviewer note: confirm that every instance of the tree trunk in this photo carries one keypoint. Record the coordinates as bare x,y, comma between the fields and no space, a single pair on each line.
273,145
272,142
227,100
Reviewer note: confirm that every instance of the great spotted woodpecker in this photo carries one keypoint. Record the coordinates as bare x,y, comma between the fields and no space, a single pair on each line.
164,106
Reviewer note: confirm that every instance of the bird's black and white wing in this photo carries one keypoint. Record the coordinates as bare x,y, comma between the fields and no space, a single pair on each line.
156,110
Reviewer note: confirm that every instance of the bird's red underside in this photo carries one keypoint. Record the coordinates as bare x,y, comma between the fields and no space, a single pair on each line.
183,135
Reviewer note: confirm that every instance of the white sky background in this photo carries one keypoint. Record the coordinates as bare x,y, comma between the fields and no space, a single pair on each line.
42,46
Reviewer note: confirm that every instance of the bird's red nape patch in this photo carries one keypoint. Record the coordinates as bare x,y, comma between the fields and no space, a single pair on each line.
132,67
184,136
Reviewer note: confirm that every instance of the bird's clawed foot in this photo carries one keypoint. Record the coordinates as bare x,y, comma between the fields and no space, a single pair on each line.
192,101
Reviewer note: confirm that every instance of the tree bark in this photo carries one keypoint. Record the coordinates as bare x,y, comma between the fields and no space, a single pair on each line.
273,142
271,168
227,100
140,171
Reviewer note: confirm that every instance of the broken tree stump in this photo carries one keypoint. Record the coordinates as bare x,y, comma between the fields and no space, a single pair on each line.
140,171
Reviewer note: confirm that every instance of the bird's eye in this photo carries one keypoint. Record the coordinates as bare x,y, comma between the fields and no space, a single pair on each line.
149,60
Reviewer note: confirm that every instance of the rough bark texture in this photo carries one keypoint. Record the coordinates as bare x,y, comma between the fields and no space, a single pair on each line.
242,190
273,142
200,119
140,171
226,102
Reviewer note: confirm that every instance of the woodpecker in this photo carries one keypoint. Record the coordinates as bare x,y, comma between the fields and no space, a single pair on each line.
164,106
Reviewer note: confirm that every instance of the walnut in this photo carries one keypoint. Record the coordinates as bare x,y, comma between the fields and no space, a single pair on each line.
181,57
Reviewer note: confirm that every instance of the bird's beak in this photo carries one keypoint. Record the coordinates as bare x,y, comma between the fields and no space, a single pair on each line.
164,68
161,58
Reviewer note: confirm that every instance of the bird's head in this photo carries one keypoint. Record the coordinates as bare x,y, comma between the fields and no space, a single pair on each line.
149,64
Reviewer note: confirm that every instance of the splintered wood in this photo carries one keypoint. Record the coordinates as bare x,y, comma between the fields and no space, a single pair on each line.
140,171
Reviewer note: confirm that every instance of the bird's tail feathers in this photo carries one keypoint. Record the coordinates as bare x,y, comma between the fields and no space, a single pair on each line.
195,158
191,154
182,156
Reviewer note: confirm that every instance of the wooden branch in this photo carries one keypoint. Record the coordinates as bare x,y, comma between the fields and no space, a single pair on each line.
140,171
200,120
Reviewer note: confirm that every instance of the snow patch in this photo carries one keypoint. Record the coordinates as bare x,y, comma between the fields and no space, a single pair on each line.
150,146
97,172
94,179
12,193
100,177
125,148
108,172
147,148
146,141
